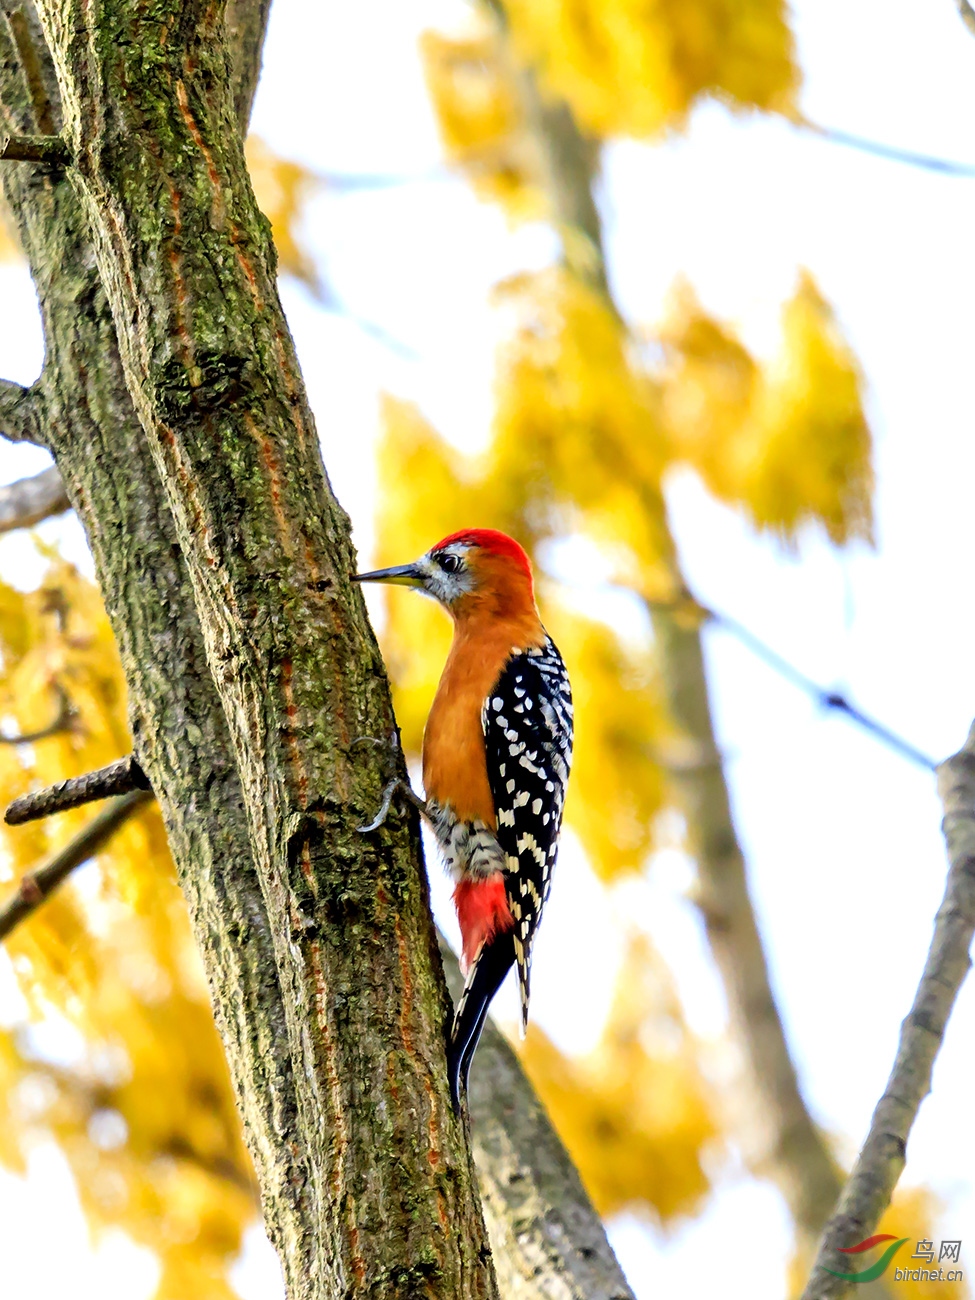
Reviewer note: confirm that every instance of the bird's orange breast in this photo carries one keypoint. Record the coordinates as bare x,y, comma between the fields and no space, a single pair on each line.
454,760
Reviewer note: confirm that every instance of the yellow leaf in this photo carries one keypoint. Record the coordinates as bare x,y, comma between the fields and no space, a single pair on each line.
637,67
578,438
144,1110
478,112
789,441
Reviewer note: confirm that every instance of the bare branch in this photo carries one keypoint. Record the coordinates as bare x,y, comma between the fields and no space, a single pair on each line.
20,413
546,1238
31,500
926,162
117,778
828,699
43,880
967,15
246,28
567,161
239,1175
871,1184
49,149
63,722
35,64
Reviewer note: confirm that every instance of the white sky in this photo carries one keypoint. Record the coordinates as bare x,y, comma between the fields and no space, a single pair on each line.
846,859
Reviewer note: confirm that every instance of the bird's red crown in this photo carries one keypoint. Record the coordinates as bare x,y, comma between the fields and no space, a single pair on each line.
489,539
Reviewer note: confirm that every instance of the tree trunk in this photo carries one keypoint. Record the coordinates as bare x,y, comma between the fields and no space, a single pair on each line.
318,943
540,1218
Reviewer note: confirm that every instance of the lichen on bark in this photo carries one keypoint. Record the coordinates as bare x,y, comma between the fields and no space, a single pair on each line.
224,561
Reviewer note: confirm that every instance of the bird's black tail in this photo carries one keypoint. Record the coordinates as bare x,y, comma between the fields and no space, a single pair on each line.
490,967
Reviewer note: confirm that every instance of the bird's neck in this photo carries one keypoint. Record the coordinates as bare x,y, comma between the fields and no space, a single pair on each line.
490,631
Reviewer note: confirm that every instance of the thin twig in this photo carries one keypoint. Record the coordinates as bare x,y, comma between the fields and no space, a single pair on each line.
39,883
688,605
119,777
828,699
871,1184
942,166
49,149
967,15
30,500
63,722
20,413
240,1175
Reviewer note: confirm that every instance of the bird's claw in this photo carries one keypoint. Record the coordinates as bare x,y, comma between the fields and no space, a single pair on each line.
393,788
384,807
395,785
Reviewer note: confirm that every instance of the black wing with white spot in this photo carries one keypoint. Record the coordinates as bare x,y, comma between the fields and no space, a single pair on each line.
527,721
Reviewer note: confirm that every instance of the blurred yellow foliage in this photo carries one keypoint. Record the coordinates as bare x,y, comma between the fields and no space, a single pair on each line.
635,1113
425,497
789,442
582,438
914,1213
479,115
429,491
637,67
282,187
624,67
143,1109
578,441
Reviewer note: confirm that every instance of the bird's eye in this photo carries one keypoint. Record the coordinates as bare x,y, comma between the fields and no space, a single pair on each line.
450,563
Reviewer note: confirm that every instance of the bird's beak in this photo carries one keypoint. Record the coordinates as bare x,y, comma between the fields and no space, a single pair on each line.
403,575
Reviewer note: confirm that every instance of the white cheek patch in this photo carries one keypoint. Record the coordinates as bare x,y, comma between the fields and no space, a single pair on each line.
444,586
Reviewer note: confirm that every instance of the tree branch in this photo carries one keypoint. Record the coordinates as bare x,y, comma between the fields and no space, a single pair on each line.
390,1197
567,161
38,884
827,699
49,149
941,166
967,15
881,1160
118,778
181,732
63,722
20,413
175,713
546,1238
246,27
31,500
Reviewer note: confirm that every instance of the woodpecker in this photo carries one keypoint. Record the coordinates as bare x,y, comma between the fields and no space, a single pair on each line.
496,754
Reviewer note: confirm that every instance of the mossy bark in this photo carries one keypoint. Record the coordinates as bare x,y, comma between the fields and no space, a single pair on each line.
172,402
